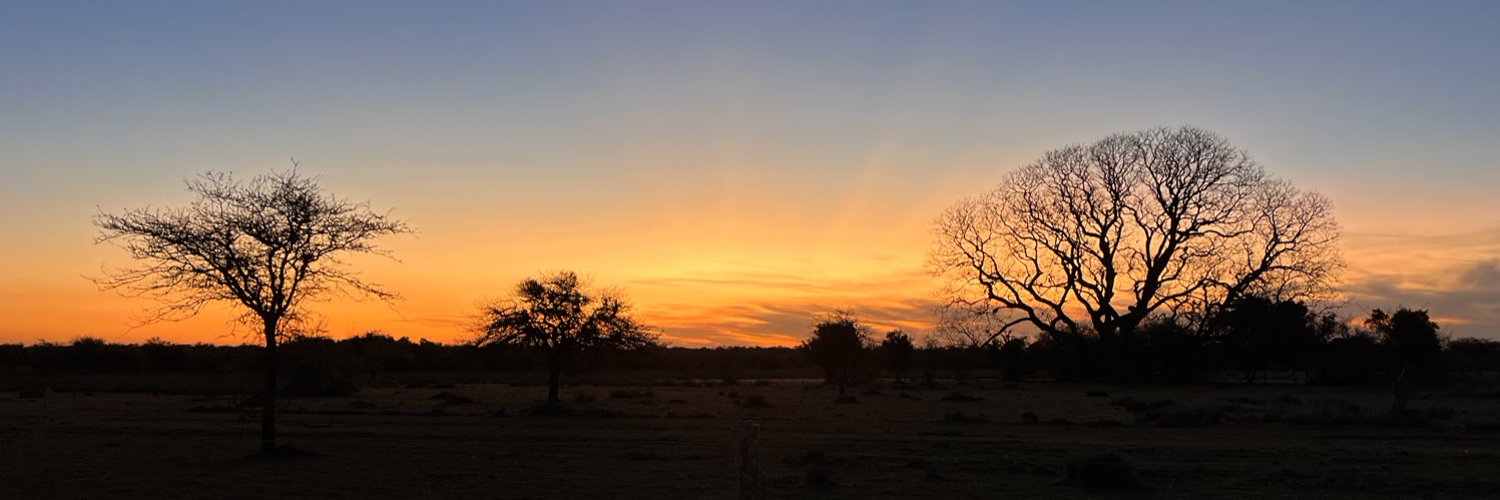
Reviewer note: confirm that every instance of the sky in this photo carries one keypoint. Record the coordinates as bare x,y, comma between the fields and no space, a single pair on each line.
735,168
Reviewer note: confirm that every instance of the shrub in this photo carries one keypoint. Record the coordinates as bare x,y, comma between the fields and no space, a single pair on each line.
755,401
1105,472
629,394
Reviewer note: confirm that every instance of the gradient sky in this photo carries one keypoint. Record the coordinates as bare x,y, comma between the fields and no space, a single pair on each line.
735,168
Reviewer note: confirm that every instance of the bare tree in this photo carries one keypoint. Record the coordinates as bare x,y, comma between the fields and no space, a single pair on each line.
268,245
1164,221
561,316
961,325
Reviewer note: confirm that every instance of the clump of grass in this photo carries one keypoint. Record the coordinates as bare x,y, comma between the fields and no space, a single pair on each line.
32,389
637,455
1331,412
963,418
583,397
629,394
817,477
1192,417
1440,413
1104,472
550,409
808,457
1030,418
1138,406
961,397
755,401
451,398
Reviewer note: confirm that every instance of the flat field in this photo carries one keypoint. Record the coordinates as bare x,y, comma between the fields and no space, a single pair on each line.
679,439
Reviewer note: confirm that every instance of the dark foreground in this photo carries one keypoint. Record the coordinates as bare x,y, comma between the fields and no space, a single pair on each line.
676,441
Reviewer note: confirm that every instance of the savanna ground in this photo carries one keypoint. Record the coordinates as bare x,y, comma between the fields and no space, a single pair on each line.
432,437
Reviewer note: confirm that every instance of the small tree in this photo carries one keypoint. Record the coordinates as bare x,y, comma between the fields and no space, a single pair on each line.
268,246
561,317
900,353
838,345
1411,339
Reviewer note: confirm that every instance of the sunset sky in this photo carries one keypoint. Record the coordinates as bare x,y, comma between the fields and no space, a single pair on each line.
734,168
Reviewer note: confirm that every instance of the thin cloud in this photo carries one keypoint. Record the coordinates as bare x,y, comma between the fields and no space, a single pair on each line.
1455,277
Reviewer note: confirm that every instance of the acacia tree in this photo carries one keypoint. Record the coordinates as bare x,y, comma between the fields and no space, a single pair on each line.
561,317
1100,237
267,245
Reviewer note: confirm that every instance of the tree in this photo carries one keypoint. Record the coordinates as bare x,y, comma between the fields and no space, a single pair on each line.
268,246
1411,338
1100,237
966,334
838,344
561,317
1262,334
899,351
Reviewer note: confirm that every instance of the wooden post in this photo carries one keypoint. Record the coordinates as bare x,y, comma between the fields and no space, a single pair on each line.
1405,384
752,480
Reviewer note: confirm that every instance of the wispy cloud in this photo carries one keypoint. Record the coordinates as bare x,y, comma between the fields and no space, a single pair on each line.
769,307
1456,277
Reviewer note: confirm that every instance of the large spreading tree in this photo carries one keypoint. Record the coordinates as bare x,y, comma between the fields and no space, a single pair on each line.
268,245
1100,237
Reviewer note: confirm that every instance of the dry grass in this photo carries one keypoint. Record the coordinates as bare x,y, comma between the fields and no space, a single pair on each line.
494,440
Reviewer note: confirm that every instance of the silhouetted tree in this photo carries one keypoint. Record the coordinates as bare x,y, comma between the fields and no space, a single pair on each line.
1100,237
899,352
1261,334
1471,357
1012,359
561,317
838,345
1411,338
268,246
1176,351
966,335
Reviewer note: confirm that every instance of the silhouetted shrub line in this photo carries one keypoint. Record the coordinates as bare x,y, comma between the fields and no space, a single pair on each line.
1318,350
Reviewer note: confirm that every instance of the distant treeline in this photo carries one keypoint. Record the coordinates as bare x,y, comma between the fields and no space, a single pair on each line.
323,365
1250,339
1321,352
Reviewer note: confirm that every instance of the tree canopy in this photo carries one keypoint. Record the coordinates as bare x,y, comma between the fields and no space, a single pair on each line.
1099,237
560,316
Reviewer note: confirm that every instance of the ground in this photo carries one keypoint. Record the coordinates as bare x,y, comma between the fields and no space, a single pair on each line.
678,439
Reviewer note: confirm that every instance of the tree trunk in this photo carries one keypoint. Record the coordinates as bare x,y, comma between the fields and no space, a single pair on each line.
268,394
554,380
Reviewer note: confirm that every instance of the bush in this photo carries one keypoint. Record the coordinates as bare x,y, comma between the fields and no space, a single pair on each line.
1105,472
755,401
316,368
629,394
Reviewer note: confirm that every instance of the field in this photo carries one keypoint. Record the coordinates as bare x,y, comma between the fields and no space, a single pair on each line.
677,439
